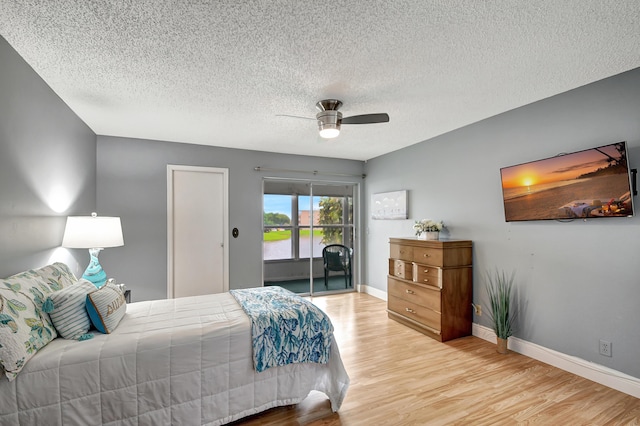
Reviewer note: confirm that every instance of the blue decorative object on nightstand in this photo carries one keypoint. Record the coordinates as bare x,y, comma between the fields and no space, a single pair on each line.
94,271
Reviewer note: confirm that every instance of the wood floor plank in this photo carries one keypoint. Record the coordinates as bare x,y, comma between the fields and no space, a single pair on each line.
401,377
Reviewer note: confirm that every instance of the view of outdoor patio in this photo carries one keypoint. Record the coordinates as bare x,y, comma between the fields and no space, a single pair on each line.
297,227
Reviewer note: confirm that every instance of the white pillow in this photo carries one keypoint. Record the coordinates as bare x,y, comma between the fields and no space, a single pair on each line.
67,309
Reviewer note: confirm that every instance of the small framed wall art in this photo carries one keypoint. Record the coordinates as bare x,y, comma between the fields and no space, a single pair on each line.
389,205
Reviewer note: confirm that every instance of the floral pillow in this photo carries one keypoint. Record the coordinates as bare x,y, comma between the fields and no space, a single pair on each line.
24,328
57,276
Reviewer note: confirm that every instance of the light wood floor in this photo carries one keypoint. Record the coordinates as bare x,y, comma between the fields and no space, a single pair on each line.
401,377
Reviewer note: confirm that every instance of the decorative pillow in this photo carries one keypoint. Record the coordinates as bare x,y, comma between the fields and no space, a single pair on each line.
54,277
67,309
57,276
24,328
106,307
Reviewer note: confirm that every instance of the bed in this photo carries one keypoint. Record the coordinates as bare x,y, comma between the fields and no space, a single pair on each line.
177,361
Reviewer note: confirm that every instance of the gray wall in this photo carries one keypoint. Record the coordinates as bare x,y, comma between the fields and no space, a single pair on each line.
132,184
47,169
578,281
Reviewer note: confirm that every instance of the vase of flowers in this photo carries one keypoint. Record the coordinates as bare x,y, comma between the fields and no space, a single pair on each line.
427,229
432,235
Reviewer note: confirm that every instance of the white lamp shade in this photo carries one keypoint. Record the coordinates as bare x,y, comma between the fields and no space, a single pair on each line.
92,232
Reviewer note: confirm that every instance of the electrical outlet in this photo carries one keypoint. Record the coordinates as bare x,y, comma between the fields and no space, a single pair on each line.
605,348
477,309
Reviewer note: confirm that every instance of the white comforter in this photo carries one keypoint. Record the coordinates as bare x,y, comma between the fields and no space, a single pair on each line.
183,361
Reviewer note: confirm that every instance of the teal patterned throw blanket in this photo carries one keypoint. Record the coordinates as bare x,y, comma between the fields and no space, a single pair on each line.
285,328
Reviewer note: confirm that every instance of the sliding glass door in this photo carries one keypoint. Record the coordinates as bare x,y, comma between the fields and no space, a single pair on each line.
300,219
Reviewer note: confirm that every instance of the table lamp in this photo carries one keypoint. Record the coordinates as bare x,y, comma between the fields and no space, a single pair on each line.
94,233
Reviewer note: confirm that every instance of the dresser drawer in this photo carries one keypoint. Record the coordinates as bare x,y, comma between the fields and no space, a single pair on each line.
428,255
425,274
413,311
430,286
398,251
401,269
415,294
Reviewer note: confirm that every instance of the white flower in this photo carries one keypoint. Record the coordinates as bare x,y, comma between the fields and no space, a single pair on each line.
427,225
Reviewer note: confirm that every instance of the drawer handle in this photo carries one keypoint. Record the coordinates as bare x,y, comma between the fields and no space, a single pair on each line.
410,291
426,280
411,311
426,270
426,255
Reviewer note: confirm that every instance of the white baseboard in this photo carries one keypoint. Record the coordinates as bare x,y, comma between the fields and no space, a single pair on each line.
578,366
589,370
363,288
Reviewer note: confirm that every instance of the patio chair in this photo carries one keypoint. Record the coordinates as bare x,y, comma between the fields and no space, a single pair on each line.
337,257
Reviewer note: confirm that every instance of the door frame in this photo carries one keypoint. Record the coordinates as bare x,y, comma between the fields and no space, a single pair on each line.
171,168
357,243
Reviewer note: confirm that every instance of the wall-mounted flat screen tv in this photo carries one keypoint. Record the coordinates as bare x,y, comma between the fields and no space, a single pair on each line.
594,183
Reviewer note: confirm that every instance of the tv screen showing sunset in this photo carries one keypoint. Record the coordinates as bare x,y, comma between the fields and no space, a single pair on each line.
585,184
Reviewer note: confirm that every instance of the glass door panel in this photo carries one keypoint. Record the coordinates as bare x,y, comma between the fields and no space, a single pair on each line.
277,243
285,240
334,226
300,219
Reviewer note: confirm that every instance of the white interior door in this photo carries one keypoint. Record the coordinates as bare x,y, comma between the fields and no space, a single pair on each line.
197,216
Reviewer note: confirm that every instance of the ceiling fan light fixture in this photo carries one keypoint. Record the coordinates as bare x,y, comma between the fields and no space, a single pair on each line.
329,132
329,123
330,119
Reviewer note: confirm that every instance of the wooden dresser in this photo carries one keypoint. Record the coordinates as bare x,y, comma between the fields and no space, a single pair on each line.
430,286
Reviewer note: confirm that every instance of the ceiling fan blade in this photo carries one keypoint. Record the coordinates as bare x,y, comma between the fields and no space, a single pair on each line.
295,116
366,119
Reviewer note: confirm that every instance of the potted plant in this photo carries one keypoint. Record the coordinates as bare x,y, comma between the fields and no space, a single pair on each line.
501,308
430,228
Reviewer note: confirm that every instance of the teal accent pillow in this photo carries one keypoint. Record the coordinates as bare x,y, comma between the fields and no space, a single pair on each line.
106,307
67,309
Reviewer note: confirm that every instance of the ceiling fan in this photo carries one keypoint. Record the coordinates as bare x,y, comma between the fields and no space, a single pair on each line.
330,119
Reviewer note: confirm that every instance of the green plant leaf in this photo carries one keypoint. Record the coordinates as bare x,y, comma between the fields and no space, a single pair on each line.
32,322
499,288
9,321
13,287
15,306
55,284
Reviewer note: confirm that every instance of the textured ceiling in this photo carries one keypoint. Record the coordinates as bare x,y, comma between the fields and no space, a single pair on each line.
218,72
